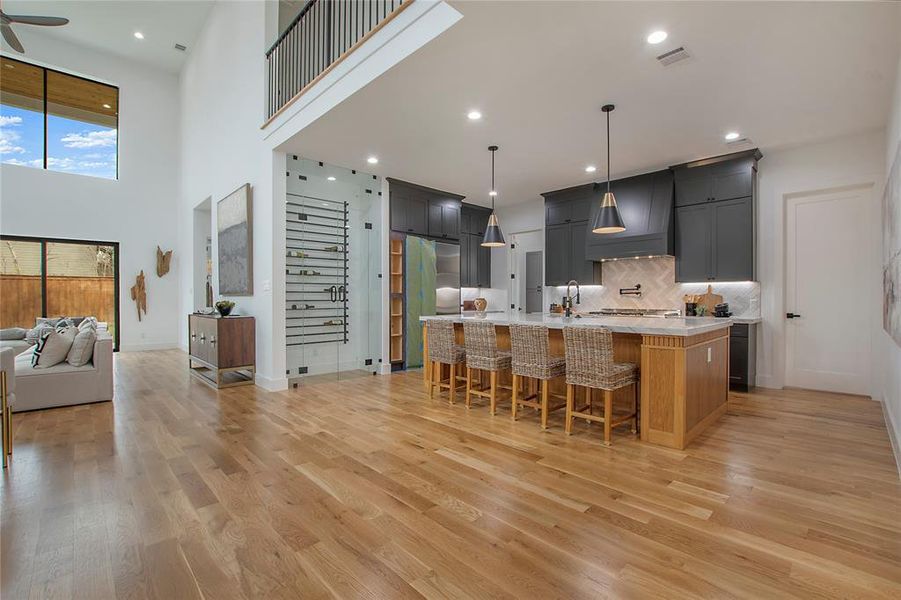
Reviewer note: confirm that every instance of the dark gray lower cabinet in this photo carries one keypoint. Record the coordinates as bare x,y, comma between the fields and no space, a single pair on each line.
565,256
743,356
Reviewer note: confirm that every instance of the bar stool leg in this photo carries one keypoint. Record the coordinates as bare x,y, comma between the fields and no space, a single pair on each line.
453,383
468,387
544,403
515,393
570,398
492,377
433,366
635,409
608,416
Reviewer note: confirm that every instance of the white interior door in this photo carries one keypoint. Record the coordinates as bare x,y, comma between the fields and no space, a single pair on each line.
827,292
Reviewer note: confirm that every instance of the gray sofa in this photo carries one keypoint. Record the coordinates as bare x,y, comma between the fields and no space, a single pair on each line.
63,384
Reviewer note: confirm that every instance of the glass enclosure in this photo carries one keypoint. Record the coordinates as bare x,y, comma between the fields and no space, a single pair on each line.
333,289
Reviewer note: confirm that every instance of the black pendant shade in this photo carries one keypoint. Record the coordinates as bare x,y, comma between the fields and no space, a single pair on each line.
607,219
493,236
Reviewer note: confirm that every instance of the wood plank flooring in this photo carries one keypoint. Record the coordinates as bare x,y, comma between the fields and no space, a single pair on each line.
366,489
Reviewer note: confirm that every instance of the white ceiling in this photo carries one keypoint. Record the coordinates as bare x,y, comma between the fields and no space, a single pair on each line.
781,73
109,26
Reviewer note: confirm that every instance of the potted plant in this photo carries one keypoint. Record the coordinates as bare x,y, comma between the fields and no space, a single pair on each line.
225,307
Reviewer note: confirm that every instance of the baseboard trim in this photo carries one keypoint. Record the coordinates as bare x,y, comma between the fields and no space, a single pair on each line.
151,346
271,385
893,438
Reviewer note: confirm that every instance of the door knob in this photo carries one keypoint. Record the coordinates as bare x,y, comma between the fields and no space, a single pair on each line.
792,316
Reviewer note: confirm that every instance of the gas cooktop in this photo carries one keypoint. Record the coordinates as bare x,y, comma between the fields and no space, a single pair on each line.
636,312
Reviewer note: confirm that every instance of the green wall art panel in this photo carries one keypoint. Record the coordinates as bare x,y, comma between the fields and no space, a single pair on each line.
420,267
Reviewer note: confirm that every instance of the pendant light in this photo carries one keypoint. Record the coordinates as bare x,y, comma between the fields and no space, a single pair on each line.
607,219
493,236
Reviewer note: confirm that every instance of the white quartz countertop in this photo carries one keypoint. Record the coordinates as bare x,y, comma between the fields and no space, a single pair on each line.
681,326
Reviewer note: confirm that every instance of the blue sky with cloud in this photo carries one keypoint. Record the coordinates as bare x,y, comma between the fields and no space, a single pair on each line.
73,146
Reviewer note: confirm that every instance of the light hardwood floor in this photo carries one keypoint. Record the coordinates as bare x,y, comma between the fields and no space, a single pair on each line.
366,489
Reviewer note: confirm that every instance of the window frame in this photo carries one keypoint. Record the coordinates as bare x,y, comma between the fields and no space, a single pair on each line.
44,71
43,241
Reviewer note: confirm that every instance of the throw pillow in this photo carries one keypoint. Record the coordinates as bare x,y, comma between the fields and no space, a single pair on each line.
46,321
33,335
76,320
82,349
63,323
88,322
12,333
53,347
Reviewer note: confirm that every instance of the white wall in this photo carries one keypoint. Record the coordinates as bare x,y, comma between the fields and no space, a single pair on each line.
888,350
138,210
839,162
222,88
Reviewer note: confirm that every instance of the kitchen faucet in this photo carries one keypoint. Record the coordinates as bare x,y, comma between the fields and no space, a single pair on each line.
568,299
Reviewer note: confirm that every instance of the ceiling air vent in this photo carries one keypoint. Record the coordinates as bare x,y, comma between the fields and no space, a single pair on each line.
181,47
742,141
673,56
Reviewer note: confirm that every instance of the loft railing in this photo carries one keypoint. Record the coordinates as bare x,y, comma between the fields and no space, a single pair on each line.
322,35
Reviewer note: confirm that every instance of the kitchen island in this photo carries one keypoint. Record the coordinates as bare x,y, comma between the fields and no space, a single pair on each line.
684,365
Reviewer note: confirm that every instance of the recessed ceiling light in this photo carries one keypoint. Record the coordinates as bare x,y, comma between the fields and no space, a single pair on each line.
330,178
139,35
732,135
590,169
474,115
657,37
107,106
372,160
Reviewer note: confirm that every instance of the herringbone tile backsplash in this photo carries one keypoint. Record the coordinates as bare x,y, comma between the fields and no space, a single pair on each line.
657,277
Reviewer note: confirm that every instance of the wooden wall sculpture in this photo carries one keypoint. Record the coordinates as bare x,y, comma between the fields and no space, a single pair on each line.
163,259
139,294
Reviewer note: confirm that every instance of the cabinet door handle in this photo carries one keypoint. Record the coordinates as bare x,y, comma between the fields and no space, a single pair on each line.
193,336
212,341
792,315
202,338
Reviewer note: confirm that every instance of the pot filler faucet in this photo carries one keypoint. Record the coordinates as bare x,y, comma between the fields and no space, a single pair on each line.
568,299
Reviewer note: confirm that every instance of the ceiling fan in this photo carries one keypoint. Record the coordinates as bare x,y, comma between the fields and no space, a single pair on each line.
7,20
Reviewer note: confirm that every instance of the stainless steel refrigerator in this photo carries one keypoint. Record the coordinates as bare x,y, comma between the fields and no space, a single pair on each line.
447,279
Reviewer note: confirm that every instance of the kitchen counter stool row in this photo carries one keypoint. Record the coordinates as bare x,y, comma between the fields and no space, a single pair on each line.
588,364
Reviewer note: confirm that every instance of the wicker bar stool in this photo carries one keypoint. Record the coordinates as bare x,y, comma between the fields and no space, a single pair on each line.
589,364
443,350
483,355
532,360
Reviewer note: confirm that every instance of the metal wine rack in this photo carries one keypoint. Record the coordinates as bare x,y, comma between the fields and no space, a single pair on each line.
316,262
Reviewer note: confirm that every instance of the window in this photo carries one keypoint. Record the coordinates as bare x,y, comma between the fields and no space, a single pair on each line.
43,277
52,120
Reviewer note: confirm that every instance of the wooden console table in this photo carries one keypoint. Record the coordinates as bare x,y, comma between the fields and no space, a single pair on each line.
222,349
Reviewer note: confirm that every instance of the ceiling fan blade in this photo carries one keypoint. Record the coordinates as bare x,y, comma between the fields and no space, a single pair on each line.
45,21
11,38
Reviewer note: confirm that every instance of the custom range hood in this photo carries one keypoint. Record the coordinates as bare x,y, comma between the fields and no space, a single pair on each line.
646,206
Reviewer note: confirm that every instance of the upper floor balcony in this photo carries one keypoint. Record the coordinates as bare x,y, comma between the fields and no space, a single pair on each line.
323,34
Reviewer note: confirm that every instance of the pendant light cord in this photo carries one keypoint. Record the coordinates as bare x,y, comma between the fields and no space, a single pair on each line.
608,151
492,181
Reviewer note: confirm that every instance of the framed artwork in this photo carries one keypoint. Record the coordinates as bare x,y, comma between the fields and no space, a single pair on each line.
891,250
234,226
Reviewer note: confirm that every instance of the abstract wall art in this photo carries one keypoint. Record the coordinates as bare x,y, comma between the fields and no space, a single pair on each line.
234,225
891,246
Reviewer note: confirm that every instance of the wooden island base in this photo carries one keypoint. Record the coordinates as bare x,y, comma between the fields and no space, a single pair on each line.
684,379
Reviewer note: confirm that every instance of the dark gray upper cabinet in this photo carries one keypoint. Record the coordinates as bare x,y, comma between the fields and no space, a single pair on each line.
715,218
475,260
424,211
557,249
569,205
483,276
694,225
565,259
444,218
715,179
465,277
733,240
